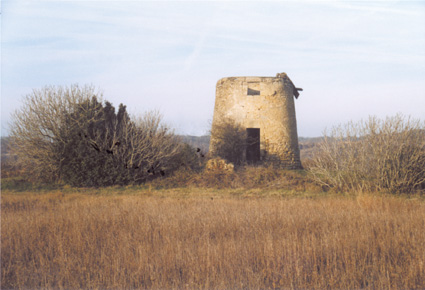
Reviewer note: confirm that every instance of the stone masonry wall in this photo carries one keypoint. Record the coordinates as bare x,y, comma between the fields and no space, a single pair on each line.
266,103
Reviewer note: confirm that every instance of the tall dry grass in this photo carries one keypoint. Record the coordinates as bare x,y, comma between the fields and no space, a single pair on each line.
245,177
195,241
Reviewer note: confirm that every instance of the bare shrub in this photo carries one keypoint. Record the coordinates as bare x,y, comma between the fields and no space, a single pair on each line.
70,134
38,126
229,141
151,148
373,155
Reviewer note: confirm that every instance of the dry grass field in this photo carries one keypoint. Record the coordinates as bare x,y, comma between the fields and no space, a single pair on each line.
210,239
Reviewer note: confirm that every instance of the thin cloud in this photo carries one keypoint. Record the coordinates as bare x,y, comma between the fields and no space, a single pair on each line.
169,55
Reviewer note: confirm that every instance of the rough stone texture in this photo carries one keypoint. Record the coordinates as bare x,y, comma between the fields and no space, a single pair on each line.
266,103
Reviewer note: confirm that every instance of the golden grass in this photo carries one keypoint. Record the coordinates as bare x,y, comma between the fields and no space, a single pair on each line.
210,240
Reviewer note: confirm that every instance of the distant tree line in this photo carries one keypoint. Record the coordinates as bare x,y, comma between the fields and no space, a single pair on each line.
70,134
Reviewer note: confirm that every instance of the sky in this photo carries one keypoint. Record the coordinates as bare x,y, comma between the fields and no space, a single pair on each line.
353,59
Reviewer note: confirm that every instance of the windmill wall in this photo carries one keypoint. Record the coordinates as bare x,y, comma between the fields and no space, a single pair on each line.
264,105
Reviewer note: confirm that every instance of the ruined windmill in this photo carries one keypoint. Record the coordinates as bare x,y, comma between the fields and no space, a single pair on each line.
264,107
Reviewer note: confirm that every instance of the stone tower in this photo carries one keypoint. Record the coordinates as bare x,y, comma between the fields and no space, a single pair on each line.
264,107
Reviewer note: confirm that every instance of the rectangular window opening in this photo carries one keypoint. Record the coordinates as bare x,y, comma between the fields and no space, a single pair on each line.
252,92
253,89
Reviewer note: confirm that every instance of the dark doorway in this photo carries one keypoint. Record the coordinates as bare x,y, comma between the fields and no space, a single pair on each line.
253,145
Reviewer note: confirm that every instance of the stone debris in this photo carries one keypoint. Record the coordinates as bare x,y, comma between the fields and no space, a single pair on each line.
219,165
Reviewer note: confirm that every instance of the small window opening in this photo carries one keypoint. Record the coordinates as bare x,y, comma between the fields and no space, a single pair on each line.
253,89
252,92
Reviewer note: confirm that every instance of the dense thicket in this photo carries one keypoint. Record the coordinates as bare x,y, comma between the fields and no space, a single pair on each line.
70,134
375,155
91,147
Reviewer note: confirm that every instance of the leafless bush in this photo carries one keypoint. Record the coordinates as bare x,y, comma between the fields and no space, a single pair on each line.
151,147
229,141
68,133
373,155
38,127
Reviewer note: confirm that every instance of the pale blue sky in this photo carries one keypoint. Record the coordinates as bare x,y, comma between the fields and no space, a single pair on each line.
352,58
